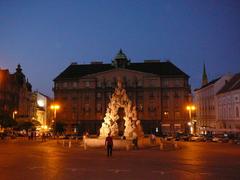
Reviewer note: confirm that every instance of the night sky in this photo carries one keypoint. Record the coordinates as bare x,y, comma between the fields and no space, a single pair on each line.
46,36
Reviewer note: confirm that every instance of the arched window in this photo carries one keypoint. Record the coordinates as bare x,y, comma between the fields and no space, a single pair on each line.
237,112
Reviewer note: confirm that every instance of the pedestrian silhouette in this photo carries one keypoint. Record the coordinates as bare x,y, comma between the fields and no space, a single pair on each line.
109,144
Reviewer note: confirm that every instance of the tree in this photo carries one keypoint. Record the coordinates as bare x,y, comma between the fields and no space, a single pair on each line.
36,123
25,125
59,128
7,121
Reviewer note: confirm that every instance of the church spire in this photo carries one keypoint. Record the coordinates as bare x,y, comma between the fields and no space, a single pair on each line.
204,76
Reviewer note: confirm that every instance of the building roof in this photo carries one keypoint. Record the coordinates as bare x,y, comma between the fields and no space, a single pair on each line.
231,85
208,84
158,68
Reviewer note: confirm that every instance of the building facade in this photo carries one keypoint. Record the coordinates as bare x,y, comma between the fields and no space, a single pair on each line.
228,106
42,110
160,91
15,94
205,100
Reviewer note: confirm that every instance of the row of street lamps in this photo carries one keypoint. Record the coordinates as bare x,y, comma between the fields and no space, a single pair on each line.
190,108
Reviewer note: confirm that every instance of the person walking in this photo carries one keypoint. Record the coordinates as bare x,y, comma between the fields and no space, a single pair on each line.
135,141
109,144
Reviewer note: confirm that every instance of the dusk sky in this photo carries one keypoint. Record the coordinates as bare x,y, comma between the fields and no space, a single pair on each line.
46,36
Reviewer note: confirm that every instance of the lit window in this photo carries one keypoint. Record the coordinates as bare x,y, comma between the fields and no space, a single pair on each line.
87,84
165,114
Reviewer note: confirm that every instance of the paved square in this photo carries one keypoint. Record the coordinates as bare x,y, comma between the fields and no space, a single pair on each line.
49,160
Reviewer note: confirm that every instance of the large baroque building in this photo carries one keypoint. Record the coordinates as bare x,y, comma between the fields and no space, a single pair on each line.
160,90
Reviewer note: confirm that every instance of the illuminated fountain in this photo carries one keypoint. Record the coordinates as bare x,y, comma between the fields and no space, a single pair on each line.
119,99
132,126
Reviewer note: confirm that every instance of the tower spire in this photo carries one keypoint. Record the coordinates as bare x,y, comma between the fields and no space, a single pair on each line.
204,76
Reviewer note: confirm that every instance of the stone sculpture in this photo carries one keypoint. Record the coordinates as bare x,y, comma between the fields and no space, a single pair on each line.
119,99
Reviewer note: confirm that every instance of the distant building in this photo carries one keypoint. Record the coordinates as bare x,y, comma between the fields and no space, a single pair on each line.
206,102
15,94
228,106
42,112
160,90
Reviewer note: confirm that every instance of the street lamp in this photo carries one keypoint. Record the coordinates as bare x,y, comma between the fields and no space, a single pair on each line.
14,114
55,107
191,108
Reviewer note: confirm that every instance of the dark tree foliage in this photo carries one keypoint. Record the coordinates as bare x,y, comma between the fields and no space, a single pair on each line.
59,128
6,121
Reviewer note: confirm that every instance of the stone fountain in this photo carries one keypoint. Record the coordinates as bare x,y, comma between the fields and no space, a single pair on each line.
119,99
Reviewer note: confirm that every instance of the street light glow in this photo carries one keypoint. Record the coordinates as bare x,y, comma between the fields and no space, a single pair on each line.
191,107
14,113
55,107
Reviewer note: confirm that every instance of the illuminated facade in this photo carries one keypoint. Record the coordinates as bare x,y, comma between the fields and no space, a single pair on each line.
41,108
205,100
15,94
228,105
160,91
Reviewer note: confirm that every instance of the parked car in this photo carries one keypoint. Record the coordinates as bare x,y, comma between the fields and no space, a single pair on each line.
216,139
182,137
197,138
169,138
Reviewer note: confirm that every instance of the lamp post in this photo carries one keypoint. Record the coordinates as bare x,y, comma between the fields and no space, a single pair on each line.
55,107
14,114
191,108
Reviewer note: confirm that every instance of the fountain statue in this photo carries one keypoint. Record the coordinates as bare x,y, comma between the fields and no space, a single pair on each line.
119,99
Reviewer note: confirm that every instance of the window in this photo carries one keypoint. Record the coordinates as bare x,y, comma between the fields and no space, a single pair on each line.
109,84
74,98
176,94
151,95
237,112
178,82
165,114
87,84
165,83
99,95
165,93
139,83
99,84
177,115
165,102
86,97
74,84
99,107
87,108
152,108
140,107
